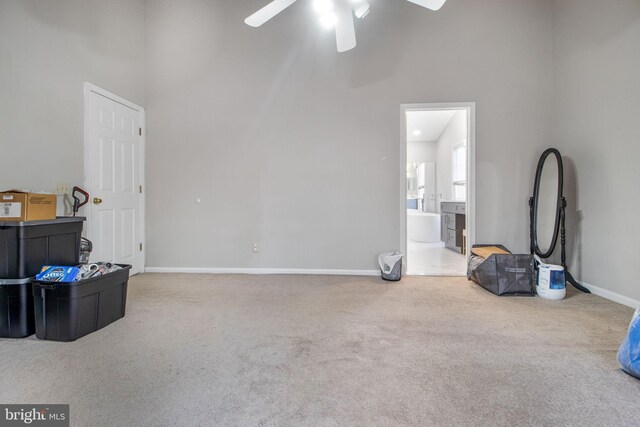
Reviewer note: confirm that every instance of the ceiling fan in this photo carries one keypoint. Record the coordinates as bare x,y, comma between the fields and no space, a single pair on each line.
336,14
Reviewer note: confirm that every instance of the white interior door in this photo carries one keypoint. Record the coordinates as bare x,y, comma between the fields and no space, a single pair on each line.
115,174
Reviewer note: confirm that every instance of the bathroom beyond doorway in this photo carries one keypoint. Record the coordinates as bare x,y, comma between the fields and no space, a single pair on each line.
437,170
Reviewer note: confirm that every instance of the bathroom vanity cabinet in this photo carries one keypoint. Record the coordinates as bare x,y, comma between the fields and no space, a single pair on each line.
452,216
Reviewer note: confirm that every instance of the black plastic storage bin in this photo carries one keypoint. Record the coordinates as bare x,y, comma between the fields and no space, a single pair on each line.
25,247
68,311
16,309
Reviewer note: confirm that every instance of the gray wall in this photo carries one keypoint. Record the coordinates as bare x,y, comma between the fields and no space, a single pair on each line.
48,49
422,151
295,147
597,64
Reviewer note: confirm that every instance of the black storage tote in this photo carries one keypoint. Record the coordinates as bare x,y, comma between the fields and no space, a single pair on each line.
68,311
25,247
16,309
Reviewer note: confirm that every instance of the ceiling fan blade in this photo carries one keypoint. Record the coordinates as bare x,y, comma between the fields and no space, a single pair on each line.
429,4
345,29
362,9
268,12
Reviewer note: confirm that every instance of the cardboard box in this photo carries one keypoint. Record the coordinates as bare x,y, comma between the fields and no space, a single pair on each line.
24,206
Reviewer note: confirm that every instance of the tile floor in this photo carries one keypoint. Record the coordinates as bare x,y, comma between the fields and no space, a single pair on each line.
433,259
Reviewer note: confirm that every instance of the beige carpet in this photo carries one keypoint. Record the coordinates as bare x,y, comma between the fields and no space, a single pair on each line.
325,351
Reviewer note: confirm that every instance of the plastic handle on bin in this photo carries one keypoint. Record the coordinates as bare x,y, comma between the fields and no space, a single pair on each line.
49,285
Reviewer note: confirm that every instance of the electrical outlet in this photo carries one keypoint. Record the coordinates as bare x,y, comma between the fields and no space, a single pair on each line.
62,189
255,248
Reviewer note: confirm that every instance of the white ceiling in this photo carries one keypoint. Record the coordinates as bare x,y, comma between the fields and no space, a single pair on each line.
431,124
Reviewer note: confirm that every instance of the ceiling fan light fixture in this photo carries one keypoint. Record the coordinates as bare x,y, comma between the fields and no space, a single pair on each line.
330,15
328,21
323,7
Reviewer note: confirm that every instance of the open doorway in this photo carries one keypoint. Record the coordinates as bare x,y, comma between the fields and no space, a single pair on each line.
437,193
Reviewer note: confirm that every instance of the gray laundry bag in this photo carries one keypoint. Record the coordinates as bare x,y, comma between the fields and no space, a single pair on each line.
503,274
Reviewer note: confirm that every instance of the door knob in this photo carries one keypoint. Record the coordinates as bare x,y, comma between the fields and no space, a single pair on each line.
97,200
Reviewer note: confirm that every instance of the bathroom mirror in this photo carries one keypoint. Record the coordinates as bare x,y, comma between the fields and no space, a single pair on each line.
546,203
411,184
412,180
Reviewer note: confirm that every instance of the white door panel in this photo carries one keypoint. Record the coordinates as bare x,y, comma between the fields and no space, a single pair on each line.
115,156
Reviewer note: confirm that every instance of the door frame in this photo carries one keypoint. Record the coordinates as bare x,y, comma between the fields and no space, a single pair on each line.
88,89
470,216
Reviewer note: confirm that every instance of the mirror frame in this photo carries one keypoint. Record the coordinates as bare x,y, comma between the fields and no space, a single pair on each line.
535,202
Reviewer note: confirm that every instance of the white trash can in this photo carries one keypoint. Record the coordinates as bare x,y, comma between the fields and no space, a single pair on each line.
391,266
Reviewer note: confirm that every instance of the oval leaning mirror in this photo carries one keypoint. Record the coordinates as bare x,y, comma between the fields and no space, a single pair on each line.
547,199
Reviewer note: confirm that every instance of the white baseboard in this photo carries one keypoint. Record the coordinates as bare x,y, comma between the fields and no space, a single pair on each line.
612,296
302,271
